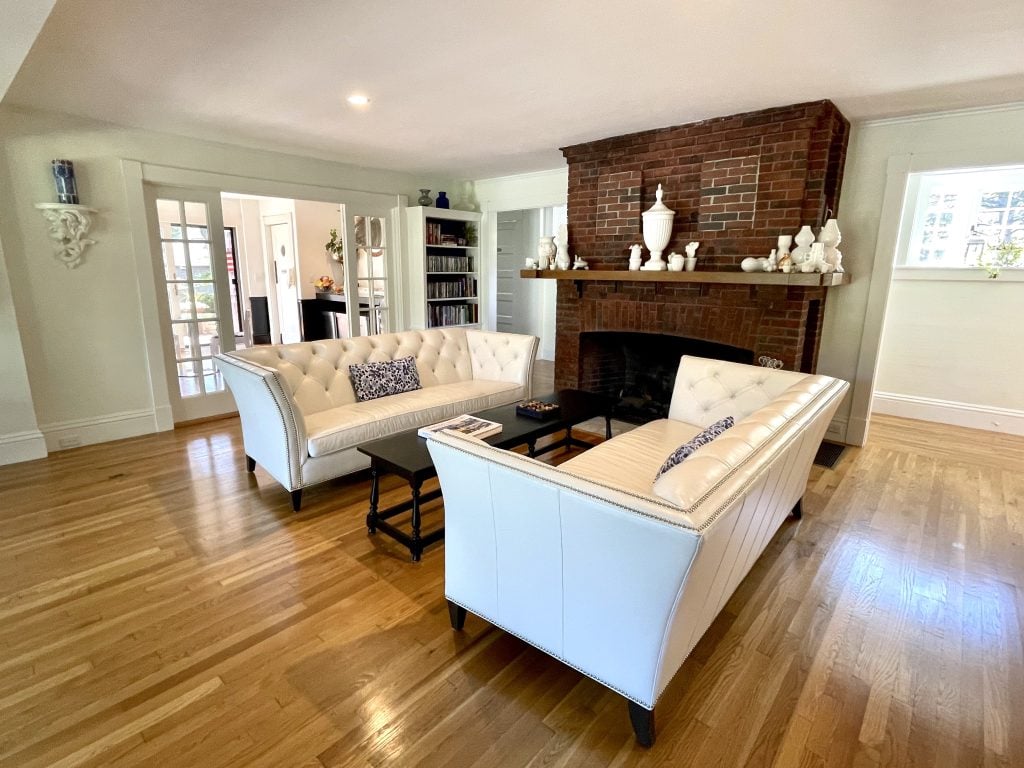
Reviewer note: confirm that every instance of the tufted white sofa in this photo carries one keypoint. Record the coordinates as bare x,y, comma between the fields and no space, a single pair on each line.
609,570
300,418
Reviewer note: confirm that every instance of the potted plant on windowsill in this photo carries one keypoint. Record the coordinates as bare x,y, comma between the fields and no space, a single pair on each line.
1002,256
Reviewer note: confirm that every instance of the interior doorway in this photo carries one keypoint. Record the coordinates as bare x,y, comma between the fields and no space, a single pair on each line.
189,246
526,306
282,263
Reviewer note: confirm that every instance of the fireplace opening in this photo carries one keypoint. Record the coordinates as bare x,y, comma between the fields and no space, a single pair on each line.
639,369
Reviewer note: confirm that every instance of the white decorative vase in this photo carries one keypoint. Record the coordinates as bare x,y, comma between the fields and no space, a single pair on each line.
657,232
562,248
751,264
830,237
676,262
803,239
784,243
545,252
690,264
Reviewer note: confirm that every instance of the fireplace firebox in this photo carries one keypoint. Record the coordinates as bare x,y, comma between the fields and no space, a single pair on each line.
638,370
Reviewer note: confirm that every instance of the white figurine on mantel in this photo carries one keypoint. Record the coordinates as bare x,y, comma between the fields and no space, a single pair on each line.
691,255
830,237
814,261
772,264
635,257
562,248
579,263
803,238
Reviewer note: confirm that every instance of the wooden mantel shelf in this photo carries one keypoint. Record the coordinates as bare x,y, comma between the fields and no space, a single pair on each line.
737,277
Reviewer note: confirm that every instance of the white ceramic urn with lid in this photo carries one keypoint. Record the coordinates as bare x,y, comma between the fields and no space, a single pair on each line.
657,232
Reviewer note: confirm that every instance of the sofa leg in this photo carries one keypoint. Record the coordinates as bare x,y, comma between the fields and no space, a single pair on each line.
297,500
250,463
798,509
643,724
457,615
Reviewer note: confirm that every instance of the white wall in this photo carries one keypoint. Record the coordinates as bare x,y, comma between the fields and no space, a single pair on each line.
880,156
510,193
81,330
950,351
20,438
313,224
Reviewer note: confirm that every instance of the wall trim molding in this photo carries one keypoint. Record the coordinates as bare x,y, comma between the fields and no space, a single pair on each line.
990,418
16,447
940,114
101,429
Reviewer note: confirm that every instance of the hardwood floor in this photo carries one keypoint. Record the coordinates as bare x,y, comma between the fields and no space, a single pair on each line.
161,607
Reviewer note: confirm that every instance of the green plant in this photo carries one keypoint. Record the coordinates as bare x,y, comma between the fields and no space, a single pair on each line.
334,247
470,233
995,258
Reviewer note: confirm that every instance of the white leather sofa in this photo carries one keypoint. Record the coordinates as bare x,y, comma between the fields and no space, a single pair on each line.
300,418
605,568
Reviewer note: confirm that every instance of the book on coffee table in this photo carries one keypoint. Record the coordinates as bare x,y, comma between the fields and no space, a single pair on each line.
467,425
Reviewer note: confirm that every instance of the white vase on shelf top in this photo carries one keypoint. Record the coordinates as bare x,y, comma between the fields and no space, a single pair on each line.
545,252
804,238
562,249
657,229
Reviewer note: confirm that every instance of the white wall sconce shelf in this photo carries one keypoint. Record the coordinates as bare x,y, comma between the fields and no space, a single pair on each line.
69,224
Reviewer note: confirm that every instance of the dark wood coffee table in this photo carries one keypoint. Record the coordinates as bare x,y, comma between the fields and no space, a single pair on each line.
406,455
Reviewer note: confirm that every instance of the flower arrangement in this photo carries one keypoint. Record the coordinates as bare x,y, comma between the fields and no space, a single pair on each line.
324,283
334,247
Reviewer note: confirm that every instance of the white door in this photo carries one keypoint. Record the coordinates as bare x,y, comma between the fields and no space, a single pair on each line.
509,308
193,290
280,240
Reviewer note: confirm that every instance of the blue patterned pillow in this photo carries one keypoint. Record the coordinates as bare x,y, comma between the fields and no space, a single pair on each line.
373,380
705,437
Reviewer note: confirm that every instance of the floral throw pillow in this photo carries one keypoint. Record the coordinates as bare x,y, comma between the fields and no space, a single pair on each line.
683,451
373,380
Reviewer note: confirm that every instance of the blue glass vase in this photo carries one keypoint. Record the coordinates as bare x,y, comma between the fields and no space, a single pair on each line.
442,200
64,180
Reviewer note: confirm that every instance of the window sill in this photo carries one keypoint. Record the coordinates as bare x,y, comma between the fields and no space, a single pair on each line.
958,274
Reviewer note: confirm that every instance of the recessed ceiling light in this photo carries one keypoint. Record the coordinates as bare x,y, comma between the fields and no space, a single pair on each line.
358,100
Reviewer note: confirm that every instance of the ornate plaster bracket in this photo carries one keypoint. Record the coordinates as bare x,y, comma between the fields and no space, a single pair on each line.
69,225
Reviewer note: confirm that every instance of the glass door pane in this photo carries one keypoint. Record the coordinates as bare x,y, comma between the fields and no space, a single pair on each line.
372,273
191,293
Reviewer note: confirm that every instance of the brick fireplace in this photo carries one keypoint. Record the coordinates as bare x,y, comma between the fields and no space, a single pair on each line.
735,183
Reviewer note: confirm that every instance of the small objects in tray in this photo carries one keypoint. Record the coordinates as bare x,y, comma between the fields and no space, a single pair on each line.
537,409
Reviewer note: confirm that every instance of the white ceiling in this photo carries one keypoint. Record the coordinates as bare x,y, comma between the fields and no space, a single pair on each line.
489,88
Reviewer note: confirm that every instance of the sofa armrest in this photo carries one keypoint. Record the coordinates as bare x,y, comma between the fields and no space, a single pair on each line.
587,573
498,356
273,430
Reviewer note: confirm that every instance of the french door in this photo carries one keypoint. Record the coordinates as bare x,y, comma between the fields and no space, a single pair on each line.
194,295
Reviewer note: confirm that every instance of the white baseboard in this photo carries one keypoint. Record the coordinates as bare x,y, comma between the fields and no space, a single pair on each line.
987,417
99,429
22,446
836,431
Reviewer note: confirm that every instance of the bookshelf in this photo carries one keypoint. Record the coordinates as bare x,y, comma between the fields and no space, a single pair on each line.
444,269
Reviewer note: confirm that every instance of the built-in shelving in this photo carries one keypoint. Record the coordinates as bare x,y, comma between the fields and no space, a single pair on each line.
444,258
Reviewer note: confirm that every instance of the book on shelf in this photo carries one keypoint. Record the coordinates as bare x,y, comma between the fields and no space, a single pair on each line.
449,263
451,314
469,426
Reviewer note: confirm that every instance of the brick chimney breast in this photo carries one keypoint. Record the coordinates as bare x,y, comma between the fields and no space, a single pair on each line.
736,183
